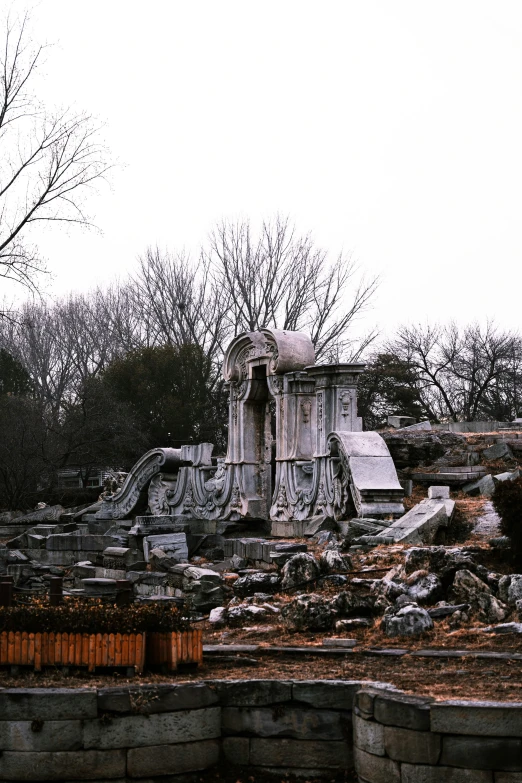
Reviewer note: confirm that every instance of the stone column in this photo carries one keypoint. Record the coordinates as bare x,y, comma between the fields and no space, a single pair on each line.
336,401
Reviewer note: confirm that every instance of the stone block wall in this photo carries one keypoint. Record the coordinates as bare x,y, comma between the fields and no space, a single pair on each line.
149,732
407,739
315,728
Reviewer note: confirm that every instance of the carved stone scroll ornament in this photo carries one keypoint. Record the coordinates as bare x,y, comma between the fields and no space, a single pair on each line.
133,493
161,491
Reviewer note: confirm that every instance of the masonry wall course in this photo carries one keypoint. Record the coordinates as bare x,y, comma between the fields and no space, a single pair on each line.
157,760
131,731
170,731
286,721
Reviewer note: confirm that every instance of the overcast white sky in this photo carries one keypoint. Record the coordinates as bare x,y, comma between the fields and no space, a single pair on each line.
389,127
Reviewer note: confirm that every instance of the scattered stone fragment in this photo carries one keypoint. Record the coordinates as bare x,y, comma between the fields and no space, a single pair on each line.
349,624
257,582
427,589
498,451
217,615
484,486
309,612
332,561
504,628
300,570
410,620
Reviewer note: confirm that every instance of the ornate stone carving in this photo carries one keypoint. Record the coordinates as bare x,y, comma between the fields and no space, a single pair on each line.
306,410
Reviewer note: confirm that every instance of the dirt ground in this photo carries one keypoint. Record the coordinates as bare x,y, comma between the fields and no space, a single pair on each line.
452,678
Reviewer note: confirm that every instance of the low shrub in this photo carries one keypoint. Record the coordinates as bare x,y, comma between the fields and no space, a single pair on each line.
507,500
76,615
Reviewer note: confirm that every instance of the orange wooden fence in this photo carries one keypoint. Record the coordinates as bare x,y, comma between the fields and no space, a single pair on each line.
72,649
174,647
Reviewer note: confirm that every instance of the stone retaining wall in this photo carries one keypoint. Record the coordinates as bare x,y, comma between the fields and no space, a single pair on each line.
408,739
302,727
147,732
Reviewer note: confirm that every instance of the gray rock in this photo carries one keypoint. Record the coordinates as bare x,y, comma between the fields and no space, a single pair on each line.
300,570
426,590
318,524
438,492
510,589
484,486
498,451
504,628
217,615
237,616
350,623
332,561
309,612
410,620
258,582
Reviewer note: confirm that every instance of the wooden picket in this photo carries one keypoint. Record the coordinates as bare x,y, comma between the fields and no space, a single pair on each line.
72,649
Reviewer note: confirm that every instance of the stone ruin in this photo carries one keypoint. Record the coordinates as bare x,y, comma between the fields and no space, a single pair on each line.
218,532
296,449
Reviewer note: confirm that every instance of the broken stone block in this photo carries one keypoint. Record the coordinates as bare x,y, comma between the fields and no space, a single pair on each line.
84,570
510,589
421,425
498,451
117,557
316,524
409,620
159,560
484,486
507,476
350,623
236,616
175,544
398,422
438,492
95,586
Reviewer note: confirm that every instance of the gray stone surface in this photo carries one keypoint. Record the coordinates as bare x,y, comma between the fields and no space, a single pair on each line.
53,735
494,719
368,735
300,753
148,700
251,693
415,747
236,750
417,773
438,492
482,753
287,721
22,704
324,694
421,523
172,759
409,620
376,769
497,451
399,709
157,729
174,544
301,569
74,765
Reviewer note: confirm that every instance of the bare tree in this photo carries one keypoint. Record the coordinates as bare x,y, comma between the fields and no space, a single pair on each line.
461,373
282,279
49,160
180,304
